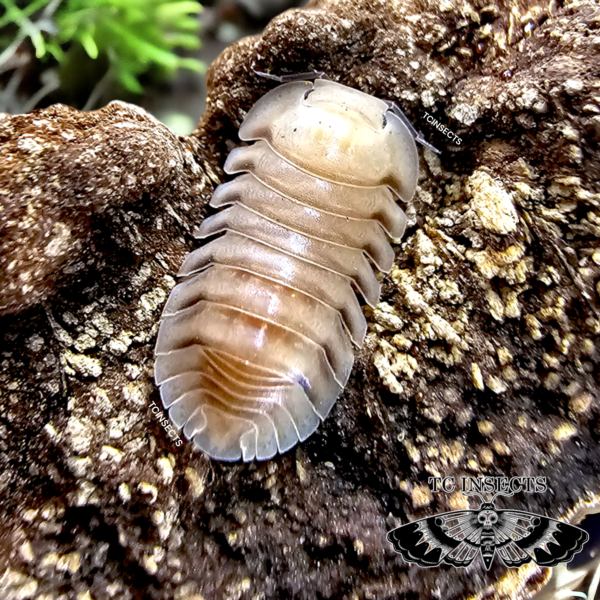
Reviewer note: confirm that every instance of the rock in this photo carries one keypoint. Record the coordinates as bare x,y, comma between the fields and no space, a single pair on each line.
68,185
485,318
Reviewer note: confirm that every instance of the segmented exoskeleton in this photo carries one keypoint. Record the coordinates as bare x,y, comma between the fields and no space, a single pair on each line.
256,342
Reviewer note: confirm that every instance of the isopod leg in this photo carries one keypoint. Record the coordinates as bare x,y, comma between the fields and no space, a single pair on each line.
393,107
310,76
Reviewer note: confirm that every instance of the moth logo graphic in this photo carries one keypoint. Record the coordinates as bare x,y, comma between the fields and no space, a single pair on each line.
517,537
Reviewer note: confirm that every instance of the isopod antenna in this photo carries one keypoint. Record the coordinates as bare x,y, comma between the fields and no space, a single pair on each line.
395,109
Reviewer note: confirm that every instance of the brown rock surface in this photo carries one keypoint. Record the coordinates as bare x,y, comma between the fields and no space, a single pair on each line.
482,357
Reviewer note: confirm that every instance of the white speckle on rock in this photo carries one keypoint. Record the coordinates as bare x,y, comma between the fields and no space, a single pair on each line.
564,432
30,145
121,343
116,427
477,376
149,490
69,562
62,335
386,316
385,372
102,324
149,563
70,318
30,515
573,86
169,282
466,114
84,365
130,179
151,301
124,492
111,453
165,466
81,433
493,204
101,402
409,96
132,371
496,385
195,482
421,496
495,304
534,327
443,328
84,342
86,494
428,99
80,465
158,517
527,99
35,342
570,133
90,308
60,242
142,275
26,551
136,394
17,585
49,560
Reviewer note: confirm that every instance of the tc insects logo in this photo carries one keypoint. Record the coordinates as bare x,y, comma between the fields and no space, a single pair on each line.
517,537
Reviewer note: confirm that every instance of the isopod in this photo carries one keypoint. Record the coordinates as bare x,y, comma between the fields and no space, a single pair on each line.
256,342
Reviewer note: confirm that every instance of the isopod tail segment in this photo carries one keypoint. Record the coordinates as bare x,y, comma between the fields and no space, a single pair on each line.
393,106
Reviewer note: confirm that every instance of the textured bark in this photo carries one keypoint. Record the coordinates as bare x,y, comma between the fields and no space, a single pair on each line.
482,358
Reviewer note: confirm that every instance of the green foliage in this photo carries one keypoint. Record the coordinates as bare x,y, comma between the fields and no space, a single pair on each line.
14,15
135,35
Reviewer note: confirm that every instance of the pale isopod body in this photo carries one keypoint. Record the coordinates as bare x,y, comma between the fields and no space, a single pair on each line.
255,344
